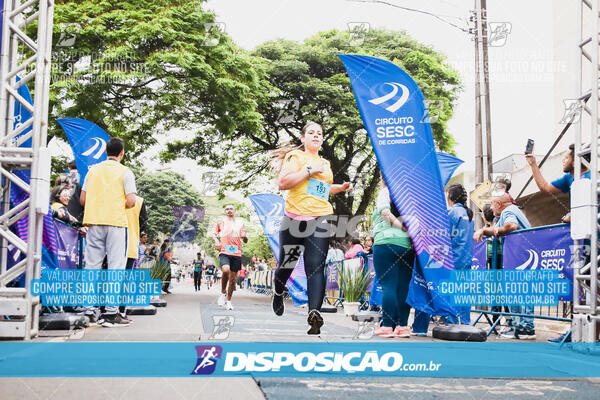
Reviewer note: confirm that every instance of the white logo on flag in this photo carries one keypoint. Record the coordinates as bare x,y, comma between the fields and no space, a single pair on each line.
531,261
392,94
276,210
99,144
273,219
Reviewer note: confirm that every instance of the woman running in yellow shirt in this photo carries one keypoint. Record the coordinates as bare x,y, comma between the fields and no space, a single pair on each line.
305,226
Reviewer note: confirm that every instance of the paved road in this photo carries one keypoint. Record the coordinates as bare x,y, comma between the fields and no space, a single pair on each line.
190,316
426,389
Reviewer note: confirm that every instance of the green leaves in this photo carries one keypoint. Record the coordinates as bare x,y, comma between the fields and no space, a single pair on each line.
139,68
161,271
161,192
354,281
311,75
258,246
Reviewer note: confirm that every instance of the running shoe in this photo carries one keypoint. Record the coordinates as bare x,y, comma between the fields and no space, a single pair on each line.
401,332
420,334
315,320
525,334
278,306
114,321
228,305
508,334
384,331
222,299
125,317
507,330
93,317
559,339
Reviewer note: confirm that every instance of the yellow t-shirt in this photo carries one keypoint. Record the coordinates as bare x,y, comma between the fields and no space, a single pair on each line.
57,206
299,201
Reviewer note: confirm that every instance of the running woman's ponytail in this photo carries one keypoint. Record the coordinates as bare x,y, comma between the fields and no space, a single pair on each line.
278,155
458,195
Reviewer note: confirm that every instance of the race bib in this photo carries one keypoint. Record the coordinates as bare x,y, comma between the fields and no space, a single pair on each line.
318,189
231,248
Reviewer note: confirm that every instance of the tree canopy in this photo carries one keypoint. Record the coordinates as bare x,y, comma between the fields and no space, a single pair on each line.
258,246
307,82
161,192
139,68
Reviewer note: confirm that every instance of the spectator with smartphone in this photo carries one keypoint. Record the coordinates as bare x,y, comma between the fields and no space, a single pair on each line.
562,184
153,251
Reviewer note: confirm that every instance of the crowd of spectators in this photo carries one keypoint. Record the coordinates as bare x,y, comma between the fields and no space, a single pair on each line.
394,258
103,213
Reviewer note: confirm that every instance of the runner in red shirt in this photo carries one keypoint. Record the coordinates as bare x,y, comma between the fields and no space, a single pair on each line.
228,236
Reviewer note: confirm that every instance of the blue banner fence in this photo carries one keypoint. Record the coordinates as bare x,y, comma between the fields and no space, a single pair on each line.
548,247
544,247
70,246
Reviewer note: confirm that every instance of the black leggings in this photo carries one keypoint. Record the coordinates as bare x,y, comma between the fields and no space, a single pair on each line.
312,239
197,279
129,265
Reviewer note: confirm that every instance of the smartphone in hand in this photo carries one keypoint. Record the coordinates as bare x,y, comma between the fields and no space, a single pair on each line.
529,147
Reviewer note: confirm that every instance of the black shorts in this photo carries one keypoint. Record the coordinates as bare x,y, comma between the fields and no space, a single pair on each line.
234,262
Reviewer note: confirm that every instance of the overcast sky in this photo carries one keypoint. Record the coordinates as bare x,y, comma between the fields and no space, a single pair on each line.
522,102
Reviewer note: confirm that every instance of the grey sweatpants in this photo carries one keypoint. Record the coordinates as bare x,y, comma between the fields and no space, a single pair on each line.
109,241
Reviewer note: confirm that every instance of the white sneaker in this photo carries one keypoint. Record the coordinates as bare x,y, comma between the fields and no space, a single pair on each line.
228,305
221,300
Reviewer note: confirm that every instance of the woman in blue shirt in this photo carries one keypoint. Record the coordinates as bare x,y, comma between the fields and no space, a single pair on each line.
461,236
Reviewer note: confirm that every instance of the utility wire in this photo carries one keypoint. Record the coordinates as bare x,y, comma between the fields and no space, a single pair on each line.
437,16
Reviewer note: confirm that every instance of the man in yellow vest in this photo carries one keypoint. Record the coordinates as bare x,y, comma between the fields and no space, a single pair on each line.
136,218
109,189
136,223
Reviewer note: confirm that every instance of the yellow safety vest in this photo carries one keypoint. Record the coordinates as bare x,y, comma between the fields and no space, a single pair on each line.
133,228
105,195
